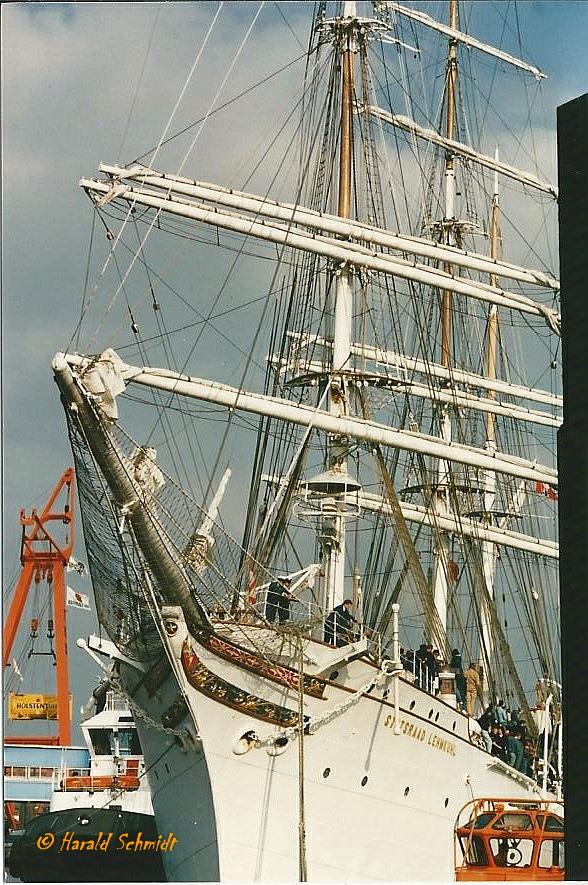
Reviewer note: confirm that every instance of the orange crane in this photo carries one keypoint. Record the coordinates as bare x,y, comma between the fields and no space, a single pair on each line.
43,557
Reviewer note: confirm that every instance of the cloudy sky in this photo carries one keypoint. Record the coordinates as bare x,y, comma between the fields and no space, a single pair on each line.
89,82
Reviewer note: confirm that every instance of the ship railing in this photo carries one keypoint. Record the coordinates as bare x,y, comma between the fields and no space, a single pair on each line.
376,643
30,772
305,614
308,617
302,613
83,780
422,675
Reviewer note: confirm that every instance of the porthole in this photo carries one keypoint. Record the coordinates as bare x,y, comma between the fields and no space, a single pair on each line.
406,791
364,780
411,706
333,675
246,742
437,716
454,724
446,803
166,767
430,713
326,772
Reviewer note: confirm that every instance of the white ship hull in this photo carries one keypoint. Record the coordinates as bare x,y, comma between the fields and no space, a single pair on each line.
375,805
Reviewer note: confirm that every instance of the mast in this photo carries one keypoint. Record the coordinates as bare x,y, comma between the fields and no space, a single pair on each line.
489,551
441,502
332,531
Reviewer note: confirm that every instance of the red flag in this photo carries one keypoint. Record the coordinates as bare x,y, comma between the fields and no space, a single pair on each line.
543,489
251,583
452,570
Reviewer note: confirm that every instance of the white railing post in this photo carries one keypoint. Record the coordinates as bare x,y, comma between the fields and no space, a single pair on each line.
546,722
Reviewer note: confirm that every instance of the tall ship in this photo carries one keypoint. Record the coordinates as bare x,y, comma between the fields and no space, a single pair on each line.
104,801
316,458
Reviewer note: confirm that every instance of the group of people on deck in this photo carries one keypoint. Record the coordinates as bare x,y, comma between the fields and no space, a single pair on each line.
339,622
505,736
502,730
426,663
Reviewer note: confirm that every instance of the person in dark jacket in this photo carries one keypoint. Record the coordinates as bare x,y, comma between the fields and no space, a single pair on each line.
338,624
485,723
278,600
421,664
498,743
456,661
456,666
519,749
511,747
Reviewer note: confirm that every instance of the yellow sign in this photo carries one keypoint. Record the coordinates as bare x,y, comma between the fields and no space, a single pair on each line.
33,706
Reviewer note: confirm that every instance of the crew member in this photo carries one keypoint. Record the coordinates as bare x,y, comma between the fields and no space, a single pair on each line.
338,624
278,600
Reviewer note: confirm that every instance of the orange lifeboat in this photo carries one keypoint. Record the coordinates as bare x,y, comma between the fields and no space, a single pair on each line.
110,782
127,782
510,840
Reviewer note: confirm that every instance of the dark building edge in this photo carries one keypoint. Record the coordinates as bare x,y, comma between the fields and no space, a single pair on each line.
572,144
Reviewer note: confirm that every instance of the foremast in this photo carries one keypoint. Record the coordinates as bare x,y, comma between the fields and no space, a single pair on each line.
332,531
449,234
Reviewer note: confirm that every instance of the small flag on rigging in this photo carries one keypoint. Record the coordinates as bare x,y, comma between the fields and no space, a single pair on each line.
251,583
78,600
542,488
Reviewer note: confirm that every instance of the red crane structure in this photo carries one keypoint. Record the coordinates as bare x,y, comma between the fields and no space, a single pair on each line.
45,558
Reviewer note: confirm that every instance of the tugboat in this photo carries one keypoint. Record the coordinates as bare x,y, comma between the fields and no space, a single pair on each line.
63,801
100,826
510,840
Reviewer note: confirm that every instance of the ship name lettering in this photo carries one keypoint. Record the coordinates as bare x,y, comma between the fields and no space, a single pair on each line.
420,734
442,744
408,728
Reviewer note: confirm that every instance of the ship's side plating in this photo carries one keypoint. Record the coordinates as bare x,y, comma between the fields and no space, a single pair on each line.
245,799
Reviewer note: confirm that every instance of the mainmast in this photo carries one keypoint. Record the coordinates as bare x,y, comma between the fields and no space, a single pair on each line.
489,551
449,226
